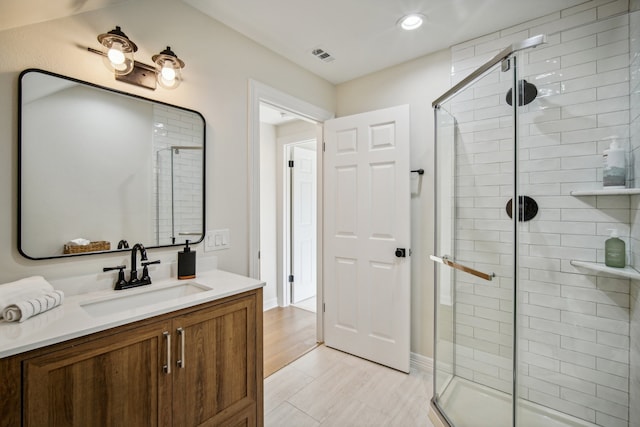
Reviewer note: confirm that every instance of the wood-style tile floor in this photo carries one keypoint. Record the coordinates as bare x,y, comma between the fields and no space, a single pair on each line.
326,387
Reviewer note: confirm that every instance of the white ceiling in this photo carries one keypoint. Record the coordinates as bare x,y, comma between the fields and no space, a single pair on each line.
361,35
15,14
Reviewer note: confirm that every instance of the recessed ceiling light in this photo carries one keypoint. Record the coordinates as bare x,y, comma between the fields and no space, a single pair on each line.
411,22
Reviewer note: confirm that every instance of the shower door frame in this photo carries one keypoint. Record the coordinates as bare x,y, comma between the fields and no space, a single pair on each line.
173,150
504,58
504,54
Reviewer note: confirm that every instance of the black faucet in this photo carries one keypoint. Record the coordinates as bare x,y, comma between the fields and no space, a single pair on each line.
133,279
120,283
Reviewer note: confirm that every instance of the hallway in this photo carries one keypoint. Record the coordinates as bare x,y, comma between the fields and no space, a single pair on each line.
289,332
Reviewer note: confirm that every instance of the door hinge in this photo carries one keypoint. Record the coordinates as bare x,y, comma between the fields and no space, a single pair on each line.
324,146
258,254
290,163
291,278
323,308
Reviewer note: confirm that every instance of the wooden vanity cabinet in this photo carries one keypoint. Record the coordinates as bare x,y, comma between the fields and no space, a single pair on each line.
110,381
218,381
200,366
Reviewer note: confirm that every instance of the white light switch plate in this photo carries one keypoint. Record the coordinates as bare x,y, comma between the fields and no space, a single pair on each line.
216,240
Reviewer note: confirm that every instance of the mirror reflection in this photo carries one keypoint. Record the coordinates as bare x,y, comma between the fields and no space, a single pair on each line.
98,167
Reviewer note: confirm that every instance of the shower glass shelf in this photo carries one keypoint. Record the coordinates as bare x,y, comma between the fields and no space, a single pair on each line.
627,272
603,192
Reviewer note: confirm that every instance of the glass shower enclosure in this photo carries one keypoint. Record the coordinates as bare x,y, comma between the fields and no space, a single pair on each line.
178,192
532,329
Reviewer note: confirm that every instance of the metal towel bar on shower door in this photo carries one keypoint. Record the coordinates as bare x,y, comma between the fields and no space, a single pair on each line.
446,261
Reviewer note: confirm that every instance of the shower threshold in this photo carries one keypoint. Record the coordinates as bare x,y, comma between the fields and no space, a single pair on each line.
475,405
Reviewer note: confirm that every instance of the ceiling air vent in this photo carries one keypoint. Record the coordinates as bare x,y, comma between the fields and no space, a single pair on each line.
323,55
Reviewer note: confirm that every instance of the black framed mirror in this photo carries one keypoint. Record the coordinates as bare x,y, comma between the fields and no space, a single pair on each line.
98,167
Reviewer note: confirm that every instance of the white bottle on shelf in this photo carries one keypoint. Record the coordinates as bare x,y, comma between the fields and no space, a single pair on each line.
614,174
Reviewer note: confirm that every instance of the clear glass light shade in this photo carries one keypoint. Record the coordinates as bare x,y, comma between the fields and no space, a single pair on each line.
169,75
168,68
119,56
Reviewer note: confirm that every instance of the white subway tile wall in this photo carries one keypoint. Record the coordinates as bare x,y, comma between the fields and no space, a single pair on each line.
634,132
178,200
634,381
574,330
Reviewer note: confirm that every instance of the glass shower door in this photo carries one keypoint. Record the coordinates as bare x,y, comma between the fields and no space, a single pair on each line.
178,190
474,254
445,203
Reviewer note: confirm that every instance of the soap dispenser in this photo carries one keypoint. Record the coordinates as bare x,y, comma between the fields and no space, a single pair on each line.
186,263
614,175
615,254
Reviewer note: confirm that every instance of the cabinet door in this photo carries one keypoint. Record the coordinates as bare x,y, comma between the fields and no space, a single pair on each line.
216,381
112,381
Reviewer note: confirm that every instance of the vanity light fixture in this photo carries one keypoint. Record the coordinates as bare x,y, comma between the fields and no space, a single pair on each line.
168,67
119,59
411,22
120,49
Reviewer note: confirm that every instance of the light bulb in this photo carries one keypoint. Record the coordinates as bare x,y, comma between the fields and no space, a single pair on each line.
168,73
115,54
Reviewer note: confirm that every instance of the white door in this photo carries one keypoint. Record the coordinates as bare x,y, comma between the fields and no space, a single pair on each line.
367,218
304,223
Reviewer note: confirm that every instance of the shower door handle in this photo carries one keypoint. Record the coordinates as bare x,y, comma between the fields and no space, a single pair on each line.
446,261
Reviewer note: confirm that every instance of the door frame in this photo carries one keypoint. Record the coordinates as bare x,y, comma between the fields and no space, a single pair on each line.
259,92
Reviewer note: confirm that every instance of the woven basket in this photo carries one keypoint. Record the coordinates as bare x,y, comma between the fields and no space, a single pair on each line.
100,245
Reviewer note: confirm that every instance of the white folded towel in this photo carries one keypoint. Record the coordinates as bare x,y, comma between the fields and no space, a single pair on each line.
79,242
22,290
22,310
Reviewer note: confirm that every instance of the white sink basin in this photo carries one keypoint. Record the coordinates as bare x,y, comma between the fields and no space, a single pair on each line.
131,299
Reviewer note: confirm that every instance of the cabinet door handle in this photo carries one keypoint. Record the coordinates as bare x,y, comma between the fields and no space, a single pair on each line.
167,367
180,362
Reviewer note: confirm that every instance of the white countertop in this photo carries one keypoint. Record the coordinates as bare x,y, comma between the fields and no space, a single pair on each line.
70,320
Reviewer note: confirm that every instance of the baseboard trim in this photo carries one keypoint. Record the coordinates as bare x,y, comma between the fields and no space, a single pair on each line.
421,363
269,304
